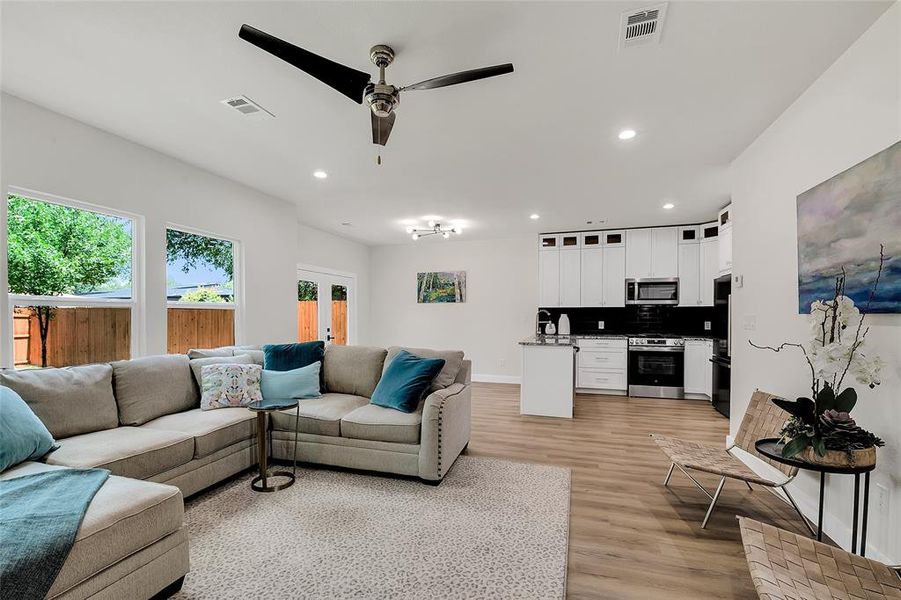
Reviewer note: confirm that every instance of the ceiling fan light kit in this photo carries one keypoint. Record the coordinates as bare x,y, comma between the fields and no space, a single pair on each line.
381,97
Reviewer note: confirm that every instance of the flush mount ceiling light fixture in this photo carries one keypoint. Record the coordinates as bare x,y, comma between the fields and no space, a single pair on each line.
626,134
434,228
669,206
320,174
534,216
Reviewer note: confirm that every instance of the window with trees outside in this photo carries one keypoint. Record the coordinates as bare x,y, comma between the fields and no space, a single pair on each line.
200,291
70,282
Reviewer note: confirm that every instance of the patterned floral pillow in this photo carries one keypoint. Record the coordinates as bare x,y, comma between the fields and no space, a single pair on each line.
230,385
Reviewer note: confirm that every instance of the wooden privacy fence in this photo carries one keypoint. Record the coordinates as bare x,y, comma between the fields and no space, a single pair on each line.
81,335
307,322
199,328
76,336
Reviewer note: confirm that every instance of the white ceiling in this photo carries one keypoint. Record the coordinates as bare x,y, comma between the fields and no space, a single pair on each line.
542,139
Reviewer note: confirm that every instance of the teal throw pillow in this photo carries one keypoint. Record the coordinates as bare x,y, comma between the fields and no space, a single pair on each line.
405,381
296,383
24,436
287,357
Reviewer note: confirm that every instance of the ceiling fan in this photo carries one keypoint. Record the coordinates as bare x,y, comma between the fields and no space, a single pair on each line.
381,97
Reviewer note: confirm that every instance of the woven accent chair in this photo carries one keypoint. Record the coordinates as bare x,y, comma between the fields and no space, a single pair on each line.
762,419
785,566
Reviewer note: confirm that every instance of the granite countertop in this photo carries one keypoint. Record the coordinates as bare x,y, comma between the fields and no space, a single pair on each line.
549,340
704,338
602,336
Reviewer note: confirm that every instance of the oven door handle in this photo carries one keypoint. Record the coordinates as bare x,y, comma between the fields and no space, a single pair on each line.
653,349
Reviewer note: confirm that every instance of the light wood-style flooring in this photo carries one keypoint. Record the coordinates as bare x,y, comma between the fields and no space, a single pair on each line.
630,537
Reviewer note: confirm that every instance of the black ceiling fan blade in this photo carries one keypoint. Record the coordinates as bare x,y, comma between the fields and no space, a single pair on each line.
349,82
381,127
461,77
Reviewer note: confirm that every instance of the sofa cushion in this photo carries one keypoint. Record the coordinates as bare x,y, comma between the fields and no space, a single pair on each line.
198,363
353,370
453,360
255,351
286,357
68,401
125,516
212,430
24,436
126,451
319,416
381,424
150,387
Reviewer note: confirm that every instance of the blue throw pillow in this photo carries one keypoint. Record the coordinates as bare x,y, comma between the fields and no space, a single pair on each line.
405,381
297,383
287,357
24,435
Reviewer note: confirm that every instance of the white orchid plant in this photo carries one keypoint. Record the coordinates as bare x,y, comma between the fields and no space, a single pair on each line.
836,349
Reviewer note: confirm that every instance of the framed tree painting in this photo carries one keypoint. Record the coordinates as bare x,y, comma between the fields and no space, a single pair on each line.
441,287
841,224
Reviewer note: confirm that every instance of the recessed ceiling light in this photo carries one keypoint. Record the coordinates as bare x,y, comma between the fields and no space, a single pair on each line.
669,206
534,216
320,174
626,134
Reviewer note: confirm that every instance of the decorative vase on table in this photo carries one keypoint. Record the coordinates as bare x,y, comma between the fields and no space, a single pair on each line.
821,430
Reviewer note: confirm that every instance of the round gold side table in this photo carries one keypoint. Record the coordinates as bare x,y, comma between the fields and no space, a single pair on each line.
260,483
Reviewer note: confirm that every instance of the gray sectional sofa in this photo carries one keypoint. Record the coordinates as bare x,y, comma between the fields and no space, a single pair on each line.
141,420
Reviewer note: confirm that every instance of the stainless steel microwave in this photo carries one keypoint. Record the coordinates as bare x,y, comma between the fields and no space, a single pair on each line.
657,290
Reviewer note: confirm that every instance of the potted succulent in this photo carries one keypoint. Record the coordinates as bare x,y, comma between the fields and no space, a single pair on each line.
821,429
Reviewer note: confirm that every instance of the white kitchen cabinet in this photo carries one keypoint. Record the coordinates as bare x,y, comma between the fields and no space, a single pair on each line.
601,365
549,277
690,274
638,253
664,253
549,242
592,276
547,381
570,277
698,369
689,234
709,262
614,276
724,250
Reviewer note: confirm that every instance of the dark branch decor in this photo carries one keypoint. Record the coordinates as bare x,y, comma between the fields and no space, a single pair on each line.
821,429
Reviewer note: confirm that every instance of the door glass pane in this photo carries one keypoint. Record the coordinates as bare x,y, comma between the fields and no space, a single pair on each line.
307,300
339,315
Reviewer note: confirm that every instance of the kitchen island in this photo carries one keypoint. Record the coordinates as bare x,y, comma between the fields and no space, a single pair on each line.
548,367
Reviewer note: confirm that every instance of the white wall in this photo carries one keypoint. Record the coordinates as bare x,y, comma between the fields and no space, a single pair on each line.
321,249
51,153
501,296
850,113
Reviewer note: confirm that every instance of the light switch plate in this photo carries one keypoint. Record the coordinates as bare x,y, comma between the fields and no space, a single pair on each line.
738,281
600,324
707,325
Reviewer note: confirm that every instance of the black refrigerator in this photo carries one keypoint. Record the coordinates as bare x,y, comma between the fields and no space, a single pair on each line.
722,346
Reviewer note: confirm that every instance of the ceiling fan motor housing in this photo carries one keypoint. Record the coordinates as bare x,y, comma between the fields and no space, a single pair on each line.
381,98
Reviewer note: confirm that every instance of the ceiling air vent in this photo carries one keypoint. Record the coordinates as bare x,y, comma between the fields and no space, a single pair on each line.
247,107
641,26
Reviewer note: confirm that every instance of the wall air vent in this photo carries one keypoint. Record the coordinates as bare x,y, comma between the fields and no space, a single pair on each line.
643,26
247,107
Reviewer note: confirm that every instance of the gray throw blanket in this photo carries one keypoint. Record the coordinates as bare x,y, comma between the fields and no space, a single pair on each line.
39,517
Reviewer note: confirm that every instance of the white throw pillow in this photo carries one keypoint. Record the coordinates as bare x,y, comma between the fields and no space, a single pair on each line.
230,385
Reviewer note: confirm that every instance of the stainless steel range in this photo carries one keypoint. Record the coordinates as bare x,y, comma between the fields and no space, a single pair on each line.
656,366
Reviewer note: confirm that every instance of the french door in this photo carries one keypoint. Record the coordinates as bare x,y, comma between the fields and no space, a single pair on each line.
325,307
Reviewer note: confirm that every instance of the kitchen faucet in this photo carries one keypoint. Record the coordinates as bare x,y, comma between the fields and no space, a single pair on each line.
538,320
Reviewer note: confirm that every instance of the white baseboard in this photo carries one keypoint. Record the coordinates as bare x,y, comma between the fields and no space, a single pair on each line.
488,378
837,528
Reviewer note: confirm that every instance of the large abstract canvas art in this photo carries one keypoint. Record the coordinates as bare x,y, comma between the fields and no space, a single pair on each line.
842,222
